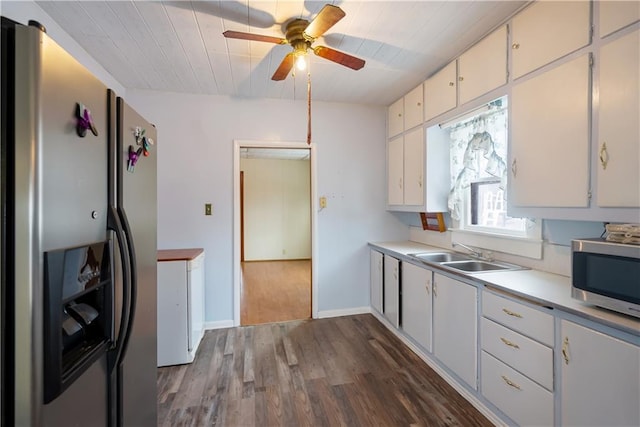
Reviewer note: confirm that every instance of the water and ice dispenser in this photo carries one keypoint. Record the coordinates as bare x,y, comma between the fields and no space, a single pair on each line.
78,312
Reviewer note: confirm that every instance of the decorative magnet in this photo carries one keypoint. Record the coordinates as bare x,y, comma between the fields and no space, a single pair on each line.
139,134
142,140
134,156
85,122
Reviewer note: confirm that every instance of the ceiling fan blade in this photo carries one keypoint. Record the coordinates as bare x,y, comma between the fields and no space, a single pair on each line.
339,57
285,67
253,37
326,19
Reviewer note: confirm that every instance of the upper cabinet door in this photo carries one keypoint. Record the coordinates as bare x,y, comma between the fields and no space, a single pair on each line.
395,120
483,67
617,14
414,167
440,92
413,108
550,138
618,130
395,171
548,30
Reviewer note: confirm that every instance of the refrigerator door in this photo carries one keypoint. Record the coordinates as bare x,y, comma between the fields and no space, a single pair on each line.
60,202
136,195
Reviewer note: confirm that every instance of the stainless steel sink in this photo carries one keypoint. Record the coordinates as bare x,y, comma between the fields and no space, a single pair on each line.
477,266
440,257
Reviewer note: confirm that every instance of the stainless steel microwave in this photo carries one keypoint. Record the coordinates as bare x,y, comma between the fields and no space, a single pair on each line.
606,274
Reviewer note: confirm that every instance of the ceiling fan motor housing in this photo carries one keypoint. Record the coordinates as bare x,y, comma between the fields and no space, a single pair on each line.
296,37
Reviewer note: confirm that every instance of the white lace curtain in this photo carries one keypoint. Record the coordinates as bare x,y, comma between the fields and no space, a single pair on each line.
478,151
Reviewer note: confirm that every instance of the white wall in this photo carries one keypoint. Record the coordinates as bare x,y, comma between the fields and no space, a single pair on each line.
195,166
277,209
23,11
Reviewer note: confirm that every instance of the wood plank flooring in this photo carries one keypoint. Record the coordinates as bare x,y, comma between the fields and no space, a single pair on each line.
344,371
275,291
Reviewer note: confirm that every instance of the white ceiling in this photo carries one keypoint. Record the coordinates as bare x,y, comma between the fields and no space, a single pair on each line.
178,46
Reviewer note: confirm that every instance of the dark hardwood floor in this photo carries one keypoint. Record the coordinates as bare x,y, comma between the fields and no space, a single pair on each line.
345,371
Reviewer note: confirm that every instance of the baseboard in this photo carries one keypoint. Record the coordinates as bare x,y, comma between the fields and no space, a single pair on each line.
218,324
343,312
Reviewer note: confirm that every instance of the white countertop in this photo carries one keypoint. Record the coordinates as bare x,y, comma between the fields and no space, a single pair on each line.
537,286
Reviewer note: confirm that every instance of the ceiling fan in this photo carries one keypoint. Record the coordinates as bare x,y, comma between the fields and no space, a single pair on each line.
301,34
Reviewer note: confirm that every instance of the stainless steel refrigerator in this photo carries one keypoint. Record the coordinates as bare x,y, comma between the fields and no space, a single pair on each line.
78,244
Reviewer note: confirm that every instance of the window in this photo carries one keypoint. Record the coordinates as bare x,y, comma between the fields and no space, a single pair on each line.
477,199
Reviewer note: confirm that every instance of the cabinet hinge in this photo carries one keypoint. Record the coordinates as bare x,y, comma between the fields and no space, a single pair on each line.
589,195
591,62
593,30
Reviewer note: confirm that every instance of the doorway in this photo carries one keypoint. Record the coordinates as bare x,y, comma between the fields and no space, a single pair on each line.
274,232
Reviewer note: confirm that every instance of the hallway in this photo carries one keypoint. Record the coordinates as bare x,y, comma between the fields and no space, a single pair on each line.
275,291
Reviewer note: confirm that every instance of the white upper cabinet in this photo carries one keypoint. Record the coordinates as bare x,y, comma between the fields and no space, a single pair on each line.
550,138
483,67
395,119
548,30
414,167
618,168
395,171
440,92
617,14
413,108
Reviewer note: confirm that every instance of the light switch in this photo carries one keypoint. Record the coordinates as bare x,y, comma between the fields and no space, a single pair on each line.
323,202
207,209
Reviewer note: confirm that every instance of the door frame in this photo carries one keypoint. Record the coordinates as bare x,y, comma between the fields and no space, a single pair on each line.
237,145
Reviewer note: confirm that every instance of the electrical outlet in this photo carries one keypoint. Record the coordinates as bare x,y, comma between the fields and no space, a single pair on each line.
323,202
207,209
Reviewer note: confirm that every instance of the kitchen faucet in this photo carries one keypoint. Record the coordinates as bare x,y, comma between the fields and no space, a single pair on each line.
474,252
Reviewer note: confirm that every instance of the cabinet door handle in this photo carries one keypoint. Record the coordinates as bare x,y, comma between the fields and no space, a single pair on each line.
435,289
419,104
451,83
565,350
514,167
510,383
400,182
515,46
420,181
460,78
511,313
426,287
399,114
604,156
509,343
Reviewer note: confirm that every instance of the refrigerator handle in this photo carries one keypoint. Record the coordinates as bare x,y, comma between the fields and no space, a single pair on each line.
133,285
114,224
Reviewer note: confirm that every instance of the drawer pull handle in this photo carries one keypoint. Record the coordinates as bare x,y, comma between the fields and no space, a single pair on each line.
565,350
509,343
511,313
511,383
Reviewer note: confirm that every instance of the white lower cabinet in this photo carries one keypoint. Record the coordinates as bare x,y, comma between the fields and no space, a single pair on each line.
600,378
455,339
517,359
376,272
524,401
391,287
416,303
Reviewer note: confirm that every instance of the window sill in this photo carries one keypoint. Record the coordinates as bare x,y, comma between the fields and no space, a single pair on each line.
514,245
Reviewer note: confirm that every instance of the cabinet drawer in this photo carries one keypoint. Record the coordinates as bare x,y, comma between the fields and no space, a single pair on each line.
524,401
519,317
523,354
